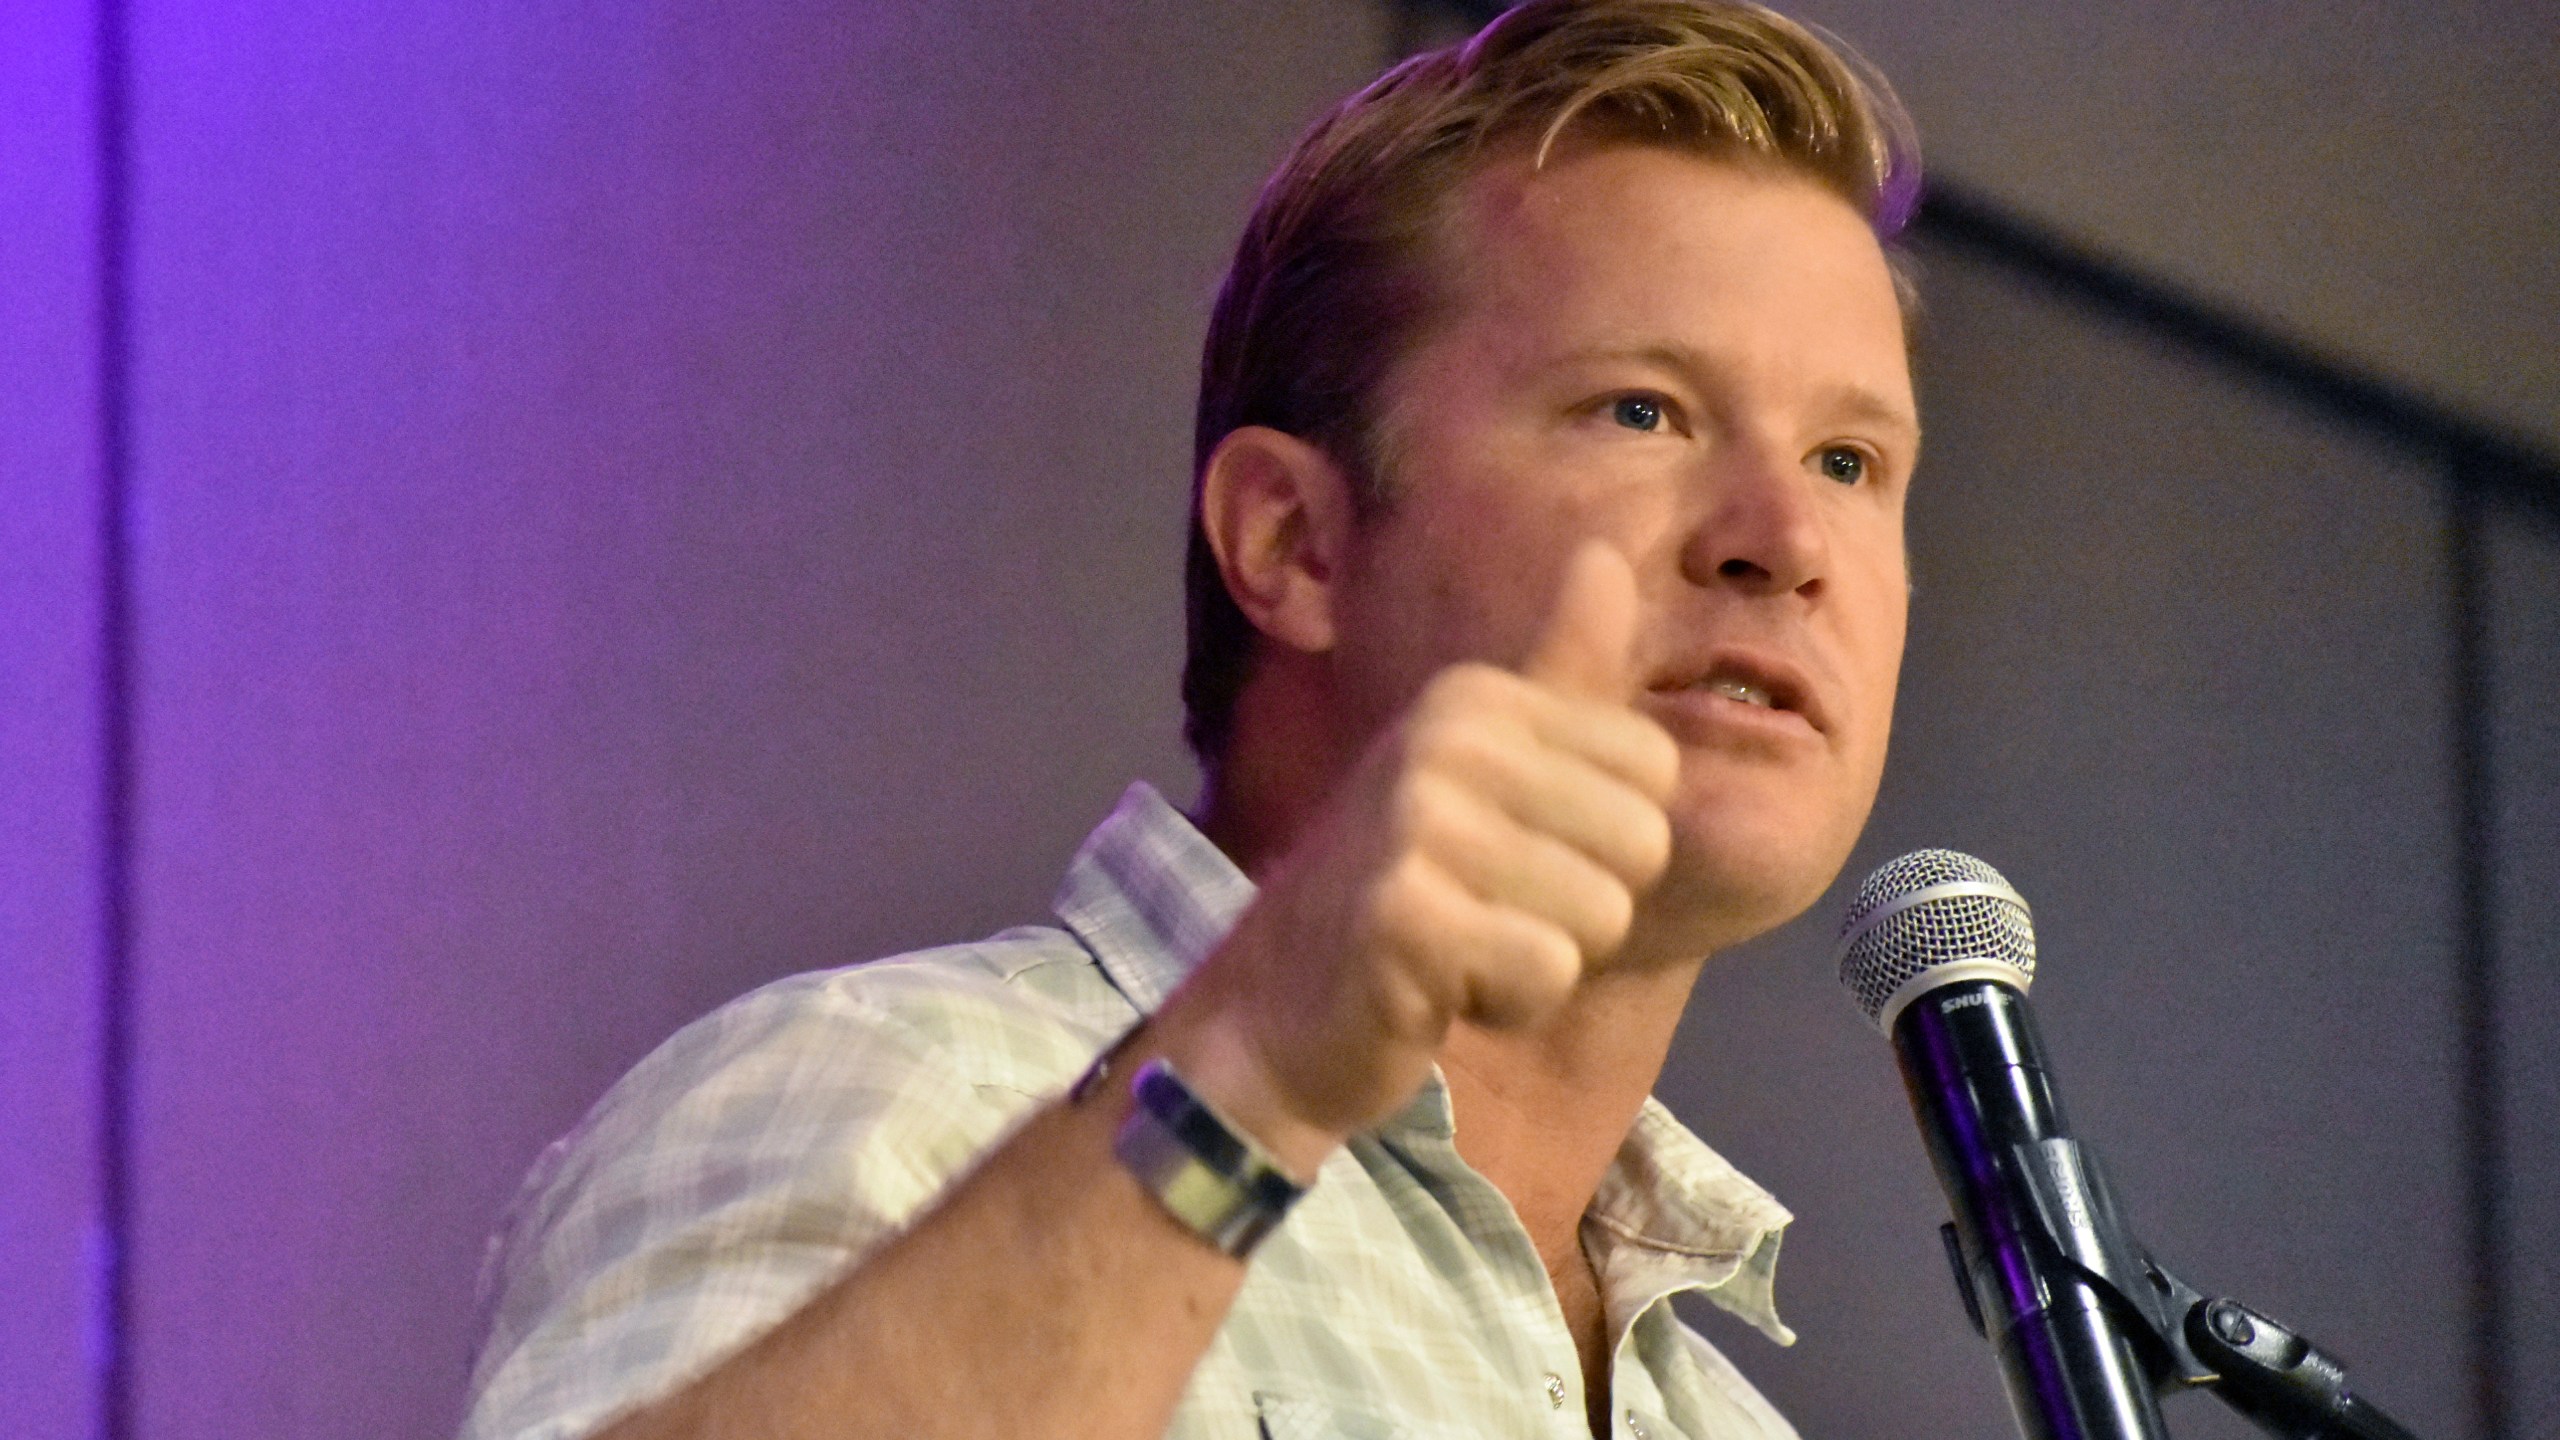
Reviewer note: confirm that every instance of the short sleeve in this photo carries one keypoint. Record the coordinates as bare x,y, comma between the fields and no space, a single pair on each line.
739,1170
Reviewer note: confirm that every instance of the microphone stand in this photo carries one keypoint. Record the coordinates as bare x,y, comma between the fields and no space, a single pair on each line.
2271,1374
2185,1339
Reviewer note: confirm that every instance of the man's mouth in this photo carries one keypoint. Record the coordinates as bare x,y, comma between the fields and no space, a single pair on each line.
1742,690
1756,681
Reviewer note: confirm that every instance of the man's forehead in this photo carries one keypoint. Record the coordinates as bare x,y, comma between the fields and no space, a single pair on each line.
1629,217
1515,192
1656,255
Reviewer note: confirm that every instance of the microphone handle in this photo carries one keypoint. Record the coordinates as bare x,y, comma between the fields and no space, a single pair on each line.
1976,1075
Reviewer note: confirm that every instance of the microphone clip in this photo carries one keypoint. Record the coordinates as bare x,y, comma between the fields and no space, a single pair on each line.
2266,1371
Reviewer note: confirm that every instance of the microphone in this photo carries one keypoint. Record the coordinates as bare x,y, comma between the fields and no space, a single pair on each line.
1938,952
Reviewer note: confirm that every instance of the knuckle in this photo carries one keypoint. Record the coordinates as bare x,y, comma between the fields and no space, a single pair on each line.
1400,904
1528,969
1549,964
1468,691
1474,760
1423,743
1644,754
1648,840
1498,965
1449,743
1476,681
1413,1009
1408,935
1422,811
1610,911
1580,894
1451,692
1658,755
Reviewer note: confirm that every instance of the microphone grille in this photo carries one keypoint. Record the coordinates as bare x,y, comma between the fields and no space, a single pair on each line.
1925,911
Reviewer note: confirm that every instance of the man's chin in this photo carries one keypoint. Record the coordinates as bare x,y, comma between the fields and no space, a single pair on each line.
1723,891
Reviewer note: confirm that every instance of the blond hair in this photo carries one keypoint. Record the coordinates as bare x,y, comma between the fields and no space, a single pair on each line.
1332,280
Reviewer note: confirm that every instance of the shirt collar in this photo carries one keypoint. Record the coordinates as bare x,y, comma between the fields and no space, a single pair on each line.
1674,1215
1151,896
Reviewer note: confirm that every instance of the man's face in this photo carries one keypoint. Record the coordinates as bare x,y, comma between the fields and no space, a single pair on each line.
1702,364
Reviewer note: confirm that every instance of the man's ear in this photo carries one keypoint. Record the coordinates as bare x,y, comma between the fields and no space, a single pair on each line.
1277,512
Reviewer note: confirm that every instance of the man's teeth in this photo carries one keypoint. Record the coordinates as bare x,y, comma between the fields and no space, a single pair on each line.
1736,690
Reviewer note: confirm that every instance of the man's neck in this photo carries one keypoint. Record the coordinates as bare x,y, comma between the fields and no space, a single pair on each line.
1281,763
1542,1113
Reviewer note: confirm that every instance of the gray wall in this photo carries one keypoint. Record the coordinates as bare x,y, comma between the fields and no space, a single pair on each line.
628,504
2372,175
2181,668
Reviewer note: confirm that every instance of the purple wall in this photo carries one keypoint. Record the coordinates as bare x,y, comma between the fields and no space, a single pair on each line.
49,712
629,504
633,503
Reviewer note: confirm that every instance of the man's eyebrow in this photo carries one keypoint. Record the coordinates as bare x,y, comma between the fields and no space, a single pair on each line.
1857,402
1849,402
1668,355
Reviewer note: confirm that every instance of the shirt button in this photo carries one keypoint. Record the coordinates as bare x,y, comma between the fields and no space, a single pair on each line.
1555,1389
1635,1428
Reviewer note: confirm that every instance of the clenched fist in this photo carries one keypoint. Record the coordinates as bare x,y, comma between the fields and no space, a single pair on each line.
1488,846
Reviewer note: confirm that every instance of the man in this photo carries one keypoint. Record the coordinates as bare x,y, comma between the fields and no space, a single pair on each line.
1547,601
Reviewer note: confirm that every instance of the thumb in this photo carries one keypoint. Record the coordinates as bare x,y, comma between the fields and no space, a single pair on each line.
1587,647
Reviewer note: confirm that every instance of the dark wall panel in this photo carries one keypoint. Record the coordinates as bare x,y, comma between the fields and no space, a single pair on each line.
49,714
2179,668
2524,584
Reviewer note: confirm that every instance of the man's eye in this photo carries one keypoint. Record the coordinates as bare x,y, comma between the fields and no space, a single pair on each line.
1637,412
1844,464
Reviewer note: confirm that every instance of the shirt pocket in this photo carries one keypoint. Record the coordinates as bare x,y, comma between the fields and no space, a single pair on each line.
1289,1417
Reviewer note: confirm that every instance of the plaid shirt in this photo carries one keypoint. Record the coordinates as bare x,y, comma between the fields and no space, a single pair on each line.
760,1152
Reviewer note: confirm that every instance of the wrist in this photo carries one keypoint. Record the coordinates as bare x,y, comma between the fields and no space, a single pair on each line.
1223,1067
1219,1184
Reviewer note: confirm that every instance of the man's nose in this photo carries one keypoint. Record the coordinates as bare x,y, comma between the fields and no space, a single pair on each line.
1760,525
